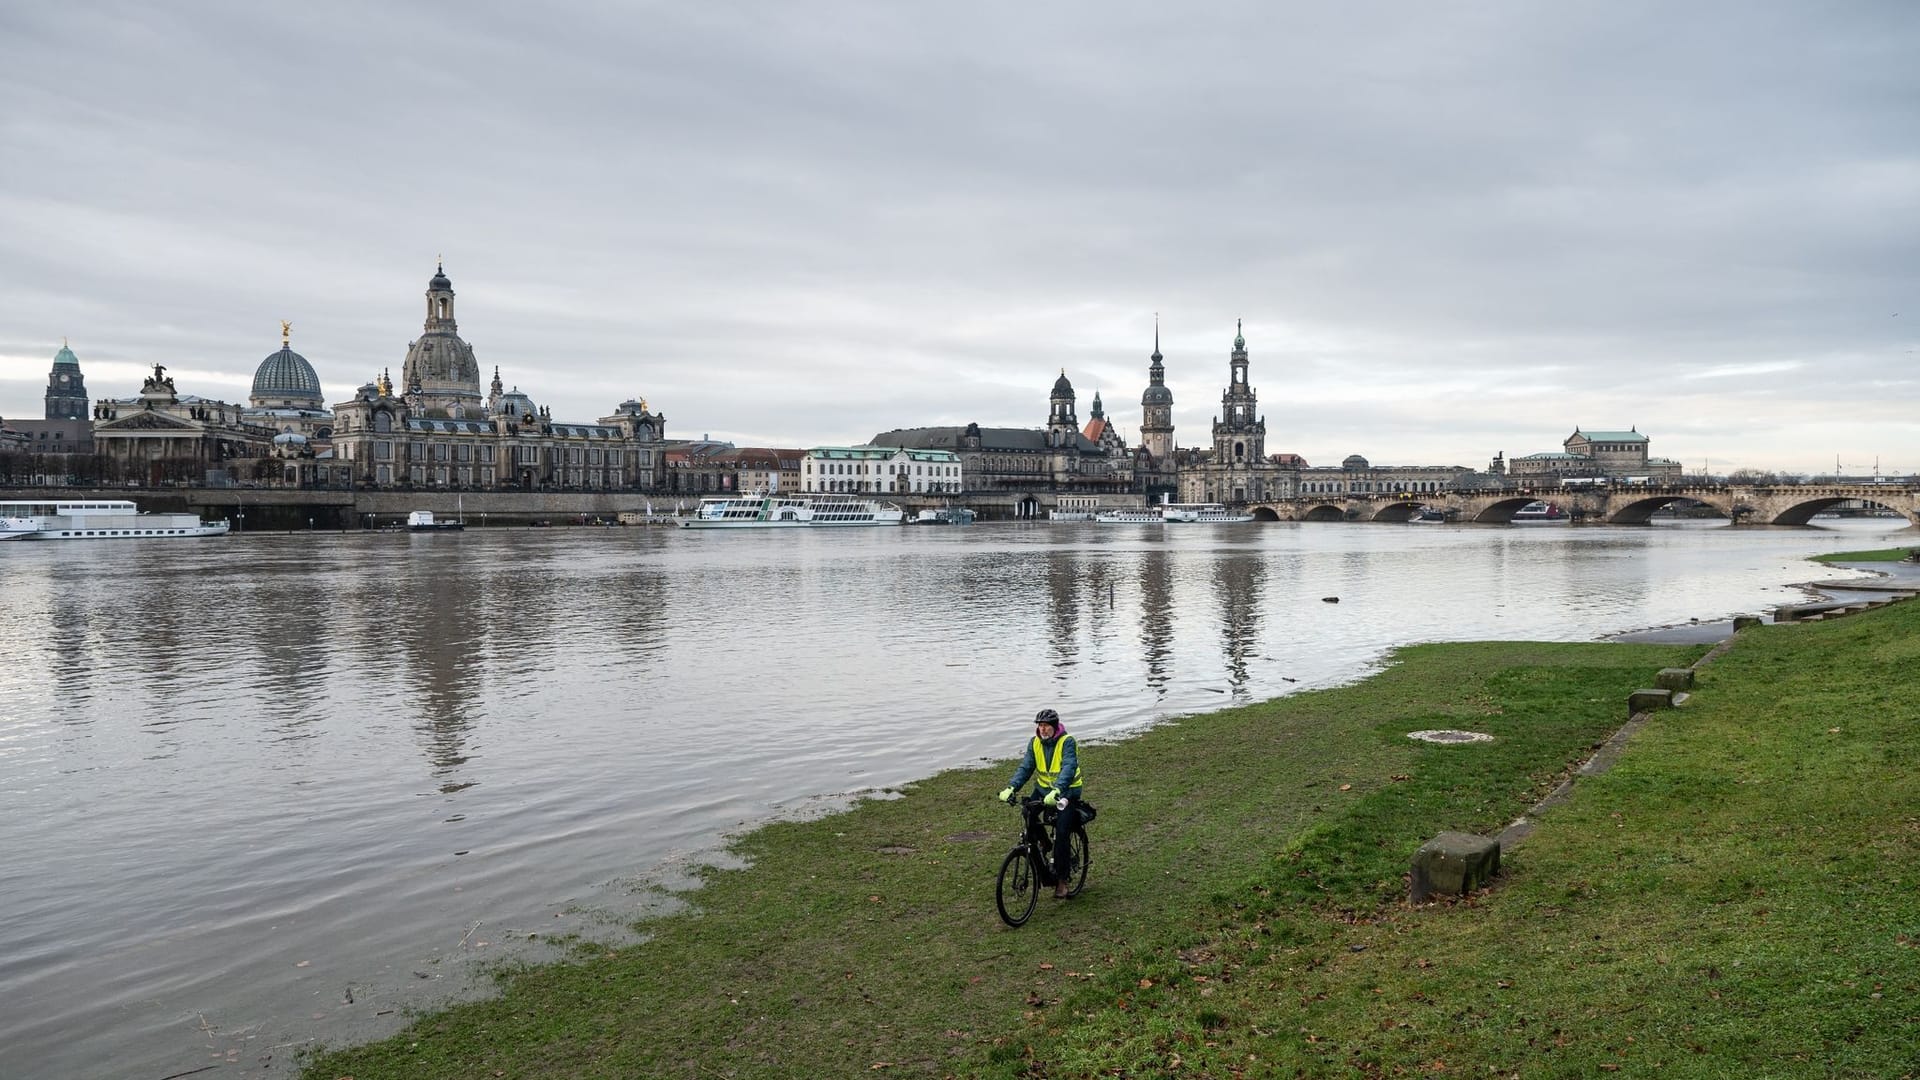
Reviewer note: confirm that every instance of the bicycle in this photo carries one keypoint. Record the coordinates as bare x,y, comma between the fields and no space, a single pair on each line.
1028,867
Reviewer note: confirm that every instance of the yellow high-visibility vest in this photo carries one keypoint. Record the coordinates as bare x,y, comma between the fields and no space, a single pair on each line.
1048,772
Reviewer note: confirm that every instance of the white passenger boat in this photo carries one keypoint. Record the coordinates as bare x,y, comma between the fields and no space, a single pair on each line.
1130,515
96,519
1203,513
424,521
792,511
1174,514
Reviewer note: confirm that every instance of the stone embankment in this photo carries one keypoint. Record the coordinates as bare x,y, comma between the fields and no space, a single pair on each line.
1455,863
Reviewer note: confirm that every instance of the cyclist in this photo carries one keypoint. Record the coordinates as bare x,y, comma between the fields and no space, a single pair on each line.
1052,761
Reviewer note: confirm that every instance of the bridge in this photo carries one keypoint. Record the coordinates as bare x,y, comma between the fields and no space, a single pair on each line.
1616,505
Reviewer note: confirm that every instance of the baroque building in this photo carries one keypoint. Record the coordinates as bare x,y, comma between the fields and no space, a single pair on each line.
164,436
437,430
1153,465
1236,469
1598,455
287,398
1058,459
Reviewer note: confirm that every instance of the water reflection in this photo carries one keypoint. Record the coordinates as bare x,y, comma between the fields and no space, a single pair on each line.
1239,585
1064,583
440,653
1156,618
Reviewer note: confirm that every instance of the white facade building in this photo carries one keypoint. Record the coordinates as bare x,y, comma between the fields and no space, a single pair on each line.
893,470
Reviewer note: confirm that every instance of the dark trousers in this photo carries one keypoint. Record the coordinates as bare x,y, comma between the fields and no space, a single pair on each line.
1062,835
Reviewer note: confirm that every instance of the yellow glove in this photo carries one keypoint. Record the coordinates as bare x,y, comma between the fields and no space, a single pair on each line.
1006,795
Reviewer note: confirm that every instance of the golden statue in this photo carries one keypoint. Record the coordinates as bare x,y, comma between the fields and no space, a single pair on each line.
286,333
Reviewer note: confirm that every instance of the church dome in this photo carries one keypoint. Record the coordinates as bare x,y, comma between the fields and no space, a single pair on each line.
515,404
1157,395
1061,387
1353,461
285,375
439,279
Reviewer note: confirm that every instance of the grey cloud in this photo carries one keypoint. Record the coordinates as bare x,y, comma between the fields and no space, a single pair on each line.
1450,228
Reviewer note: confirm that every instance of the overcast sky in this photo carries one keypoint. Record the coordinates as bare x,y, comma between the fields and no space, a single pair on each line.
1451,228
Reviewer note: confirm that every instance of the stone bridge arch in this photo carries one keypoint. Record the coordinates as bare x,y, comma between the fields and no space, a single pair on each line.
1623,505
1399,510
1499,510
1324,512
1787,511
1628,510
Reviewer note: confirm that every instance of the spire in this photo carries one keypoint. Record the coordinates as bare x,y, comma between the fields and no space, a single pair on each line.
1239,338
1156,337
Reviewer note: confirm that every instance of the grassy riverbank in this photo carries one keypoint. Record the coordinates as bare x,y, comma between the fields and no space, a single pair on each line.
1737,896
1877,555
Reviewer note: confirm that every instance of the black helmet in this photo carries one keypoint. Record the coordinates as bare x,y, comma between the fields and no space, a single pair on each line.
1047,716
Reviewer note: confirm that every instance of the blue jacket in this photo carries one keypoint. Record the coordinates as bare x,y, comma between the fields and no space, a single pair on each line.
1069,779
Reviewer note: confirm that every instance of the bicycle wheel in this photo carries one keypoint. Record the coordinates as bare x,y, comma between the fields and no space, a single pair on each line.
1079,857
1018,889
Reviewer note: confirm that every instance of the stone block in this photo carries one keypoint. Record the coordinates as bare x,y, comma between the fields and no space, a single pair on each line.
1453,864
1741,622
1648,701
1674,678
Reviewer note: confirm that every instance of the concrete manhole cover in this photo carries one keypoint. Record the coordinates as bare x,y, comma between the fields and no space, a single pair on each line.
1448,735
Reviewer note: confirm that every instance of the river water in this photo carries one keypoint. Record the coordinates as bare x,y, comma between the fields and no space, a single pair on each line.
267,789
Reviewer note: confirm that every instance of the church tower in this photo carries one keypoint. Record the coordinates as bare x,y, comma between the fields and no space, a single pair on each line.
1156,407
66,388
1239,435
441,377
1062,428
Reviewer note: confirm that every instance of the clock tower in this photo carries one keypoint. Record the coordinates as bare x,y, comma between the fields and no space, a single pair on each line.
66,388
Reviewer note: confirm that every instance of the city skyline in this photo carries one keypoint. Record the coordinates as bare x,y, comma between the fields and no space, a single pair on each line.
1451,232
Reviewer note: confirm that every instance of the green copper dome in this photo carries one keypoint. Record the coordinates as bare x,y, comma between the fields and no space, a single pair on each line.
65,356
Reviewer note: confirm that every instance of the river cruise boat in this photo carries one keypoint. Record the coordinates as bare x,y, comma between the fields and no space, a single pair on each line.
424,521
1540,513
1130,515
1173,514
1427,515
97,519
1203,513
792,512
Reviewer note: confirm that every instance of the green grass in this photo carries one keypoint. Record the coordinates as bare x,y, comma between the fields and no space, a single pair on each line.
1880,555
1735,897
